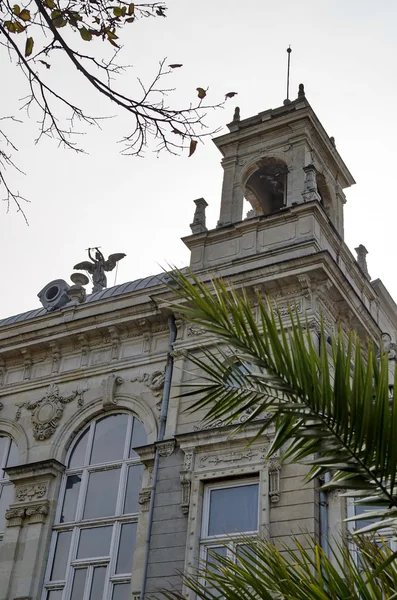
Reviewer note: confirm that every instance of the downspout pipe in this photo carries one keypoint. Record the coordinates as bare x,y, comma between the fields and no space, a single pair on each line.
323,499
160,437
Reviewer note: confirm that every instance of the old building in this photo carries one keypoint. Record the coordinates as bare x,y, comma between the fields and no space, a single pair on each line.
96,447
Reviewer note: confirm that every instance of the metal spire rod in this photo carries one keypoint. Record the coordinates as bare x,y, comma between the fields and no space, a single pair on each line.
289,50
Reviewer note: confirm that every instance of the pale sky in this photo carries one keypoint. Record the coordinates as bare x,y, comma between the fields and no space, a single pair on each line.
344,51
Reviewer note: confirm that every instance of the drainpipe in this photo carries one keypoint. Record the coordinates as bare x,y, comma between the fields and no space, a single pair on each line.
160,437
323,500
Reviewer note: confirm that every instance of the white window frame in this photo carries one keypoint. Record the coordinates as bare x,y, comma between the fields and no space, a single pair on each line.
78,525
352,525
230,540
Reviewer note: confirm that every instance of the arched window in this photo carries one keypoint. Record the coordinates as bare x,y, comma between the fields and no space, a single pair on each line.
266,188
95,525
9,456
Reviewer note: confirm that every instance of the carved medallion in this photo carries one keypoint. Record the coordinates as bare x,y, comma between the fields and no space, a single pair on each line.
47,412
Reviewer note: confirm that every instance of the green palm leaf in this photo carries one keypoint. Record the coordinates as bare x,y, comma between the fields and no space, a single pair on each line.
325,400
261,571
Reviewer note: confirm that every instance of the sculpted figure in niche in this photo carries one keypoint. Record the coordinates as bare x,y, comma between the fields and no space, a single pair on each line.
98,266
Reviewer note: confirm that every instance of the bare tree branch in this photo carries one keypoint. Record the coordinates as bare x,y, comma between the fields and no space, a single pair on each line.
48,27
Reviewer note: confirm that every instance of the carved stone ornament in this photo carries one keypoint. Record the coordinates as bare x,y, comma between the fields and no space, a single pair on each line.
154,381
179,354
310,191
109,386
186,483
27,493
37,513
144,498
47,412
166,448
274,479
194,330
15,516
33,512
198,225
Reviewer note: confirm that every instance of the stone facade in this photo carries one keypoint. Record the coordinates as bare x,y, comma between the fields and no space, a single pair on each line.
61,372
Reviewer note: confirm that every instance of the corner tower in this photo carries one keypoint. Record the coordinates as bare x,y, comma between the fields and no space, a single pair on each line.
280,158
284,164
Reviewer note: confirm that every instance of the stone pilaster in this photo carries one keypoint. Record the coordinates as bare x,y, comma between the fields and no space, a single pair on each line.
29,522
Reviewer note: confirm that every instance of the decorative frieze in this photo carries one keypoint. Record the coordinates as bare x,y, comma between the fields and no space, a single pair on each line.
206,461
48,410
195,330
31,492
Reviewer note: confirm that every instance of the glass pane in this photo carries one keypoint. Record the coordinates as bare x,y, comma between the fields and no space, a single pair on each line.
134,484
54,595
71,497
94,542
101,498
77,457
109,439
233,509
126,548
13,455
359,510
121,591
3,448
7,495
138,437
61,556
246,552
78,584
98,583
212,560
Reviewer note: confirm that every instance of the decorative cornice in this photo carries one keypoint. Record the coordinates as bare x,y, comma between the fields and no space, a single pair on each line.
44,468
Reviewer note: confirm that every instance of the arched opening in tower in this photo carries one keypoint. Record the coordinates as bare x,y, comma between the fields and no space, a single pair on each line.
266,188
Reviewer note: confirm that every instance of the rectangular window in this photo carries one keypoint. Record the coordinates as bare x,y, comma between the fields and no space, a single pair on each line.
230,510
384,534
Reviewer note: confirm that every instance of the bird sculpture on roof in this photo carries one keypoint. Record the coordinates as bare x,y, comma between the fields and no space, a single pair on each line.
98,266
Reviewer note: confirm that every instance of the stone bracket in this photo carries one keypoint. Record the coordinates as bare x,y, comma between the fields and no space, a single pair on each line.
109,387
274,467
144,498
186,483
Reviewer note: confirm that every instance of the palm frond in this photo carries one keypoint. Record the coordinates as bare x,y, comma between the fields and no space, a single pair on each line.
261,571
332,405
